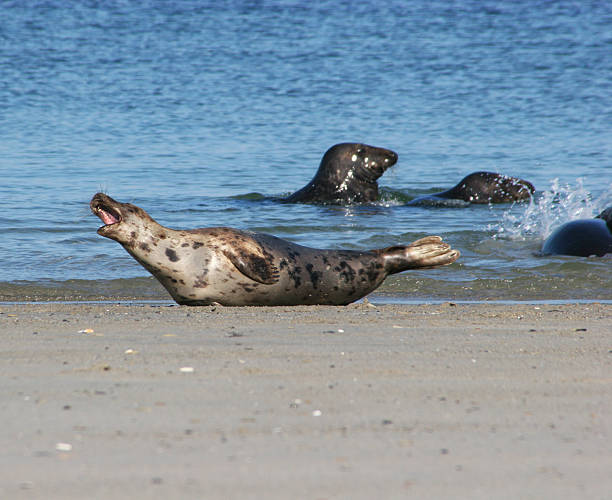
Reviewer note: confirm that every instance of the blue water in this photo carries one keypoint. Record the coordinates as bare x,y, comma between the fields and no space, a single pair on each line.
200,112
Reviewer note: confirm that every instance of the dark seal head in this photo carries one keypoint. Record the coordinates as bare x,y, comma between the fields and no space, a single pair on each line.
347,174
606,215
482,187
582,237
236,268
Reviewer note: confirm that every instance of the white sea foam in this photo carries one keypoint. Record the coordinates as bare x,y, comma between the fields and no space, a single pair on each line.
549,209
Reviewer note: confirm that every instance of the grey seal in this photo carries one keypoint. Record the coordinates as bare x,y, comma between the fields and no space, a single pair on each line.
347,174
236,268
480,188
582,237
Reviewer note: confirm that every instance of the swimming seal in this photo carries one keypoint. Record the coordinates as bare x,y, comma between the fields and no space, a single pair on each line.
347,174
236,268
582,237
481,187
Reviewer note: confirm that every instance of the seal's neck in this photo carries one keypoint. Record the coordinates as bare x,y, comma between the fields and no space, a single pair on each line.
160,251
150,241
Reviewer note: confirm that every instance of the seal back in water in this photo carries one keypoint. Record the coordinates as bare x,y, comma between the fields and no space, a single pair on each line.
480,188
347,174
582,237
236,268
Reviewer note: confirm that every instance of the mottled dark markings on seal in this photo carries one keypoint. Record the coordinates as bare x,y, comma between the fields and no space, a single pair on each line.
200,281
171,254
315,276
260,265
294,275
346,272
373,270
233,267
293,255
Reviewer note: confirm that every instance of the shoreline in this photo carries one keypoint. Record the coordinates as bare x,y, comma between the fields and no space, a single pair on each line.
402,288
376,301
446,400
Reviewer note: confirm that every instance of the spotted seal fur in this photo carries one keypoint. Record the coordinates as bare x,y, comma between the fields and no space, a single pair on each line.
235,268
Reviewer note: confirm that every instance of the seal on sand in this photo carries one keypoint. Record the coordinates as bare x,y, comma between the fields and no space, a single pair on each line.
582,237
237,268
482,187
347,174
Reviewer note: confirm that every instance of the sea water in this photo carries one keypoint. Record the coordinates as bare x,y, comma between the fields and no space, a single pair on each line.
203,112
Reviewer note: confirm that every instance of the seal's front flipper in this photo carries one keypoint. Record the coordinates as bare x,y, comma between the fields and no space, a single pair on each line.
426,252
253,264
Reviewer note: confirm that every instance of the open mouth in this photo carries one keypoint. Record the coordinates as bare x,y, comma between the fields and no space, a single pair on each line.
108,215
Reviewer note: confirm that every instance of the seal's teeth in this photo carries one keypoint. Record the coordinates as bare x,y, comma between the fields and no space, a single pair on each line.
107,217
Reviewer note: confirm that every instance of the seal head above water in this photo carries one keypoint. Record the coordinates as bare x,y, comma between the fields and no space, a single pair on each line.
482,187
582,237
606,216
347,174
236,268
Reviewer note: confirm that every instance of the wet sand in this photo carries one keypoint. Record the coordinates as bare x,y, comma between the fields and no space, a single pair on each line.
473,401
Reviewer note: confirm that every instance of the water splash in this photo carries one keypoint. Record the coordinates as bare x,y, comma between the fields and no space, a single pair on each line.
549,209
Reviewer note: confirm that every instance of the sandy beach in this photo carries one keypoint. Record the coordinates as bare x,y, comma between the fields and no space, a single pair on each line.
473,401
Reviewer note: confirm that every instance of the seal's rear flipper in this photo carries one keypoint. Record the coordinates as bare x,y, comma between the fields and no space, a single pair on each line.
426,252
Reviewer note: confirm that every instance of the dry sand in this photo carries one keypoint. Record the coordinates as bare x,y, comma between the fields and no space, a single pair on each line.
473,401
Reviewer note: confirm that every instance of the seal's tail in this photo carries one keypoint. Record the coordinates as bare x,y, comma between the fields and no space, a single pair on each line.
426,252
